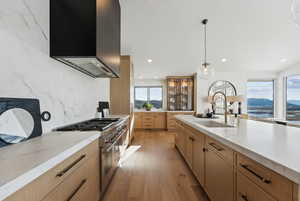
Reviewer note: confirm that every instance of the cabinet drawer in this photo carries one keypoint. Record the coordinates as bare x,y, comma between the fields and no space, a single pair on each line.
77,186
276,185
55,176
147,118
247,190
220,149
148,125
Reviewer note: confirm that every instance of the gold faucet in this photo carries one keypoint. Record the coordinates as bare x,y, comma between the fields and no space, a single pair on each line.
225,103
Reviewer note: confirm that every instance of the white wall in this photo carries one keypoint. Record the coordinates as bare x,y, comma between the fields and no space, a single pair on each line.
27,71
237,78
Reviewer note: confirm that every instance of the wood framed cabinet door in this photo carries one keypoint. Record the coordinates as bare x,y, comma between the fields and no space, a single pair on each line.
219,179
138,120
189,142
198,158
160,120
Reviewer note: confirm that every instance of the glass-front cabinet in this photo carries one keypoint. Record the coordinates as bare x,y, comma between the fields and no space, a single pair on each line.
180,93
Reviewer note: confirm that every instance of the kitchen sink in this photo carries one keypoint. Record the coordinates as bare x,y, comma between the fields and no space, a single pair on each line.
214,124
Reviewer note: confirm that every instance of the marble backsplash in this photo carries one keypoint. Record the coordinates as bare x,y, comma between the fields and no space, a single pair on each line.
27,71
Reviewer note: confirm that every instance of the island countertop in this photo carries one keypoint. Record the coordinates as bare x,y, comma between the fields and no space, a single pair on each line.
272,145
22,163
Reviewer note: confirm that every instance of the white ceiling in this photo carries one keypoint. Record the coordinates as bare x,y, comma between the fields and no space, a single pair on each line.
254,35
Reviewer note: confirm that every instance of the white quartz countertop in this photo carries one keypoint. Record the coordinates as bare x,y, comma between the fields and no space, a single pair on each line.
22,163
274,146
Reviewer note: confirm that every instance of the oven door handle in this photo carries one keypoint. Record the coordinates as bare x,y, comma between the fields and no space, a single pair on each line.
119,136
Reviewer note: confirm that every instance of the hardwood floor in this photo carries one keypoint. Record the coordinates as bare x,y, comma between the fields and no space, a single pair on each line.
154,171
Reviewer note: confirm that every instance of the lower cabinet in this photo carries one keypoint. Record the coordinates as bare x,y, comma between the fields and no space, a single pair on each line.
80,185
189,139
180,139
150,120
198,157
75,179
191,145
227,175
138,121
248,191
219,180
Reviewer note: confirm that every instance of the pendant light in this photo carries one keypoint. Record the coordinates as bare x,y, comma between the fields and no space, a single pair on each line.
206,70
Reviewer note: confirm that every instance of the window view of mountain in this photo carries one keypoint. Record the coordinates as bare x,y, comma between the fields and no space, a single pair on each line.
260,107
260,99
152,95
293,98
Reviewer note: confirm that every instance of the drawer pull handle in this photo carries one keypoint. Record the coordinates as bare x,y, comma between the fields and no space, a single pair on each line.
70,166
246,167
216,146
76,190
244,197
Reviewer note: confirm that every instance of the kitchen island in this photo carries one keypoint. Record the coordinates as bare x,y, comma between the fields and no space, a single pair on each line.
265,154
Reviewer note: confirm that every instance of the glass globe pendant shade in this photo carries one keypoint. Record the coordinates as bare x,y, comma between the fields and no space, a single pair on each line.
296,11
206,70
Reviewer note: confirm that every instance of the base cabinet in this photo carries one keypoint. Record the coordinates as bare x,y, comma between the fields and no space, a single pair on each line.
219,180
150,120
227,175
75,179
248,191
198,158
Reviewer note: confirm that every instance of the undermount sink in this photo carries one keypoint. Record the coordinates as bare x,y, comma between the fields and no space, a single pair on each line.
214,124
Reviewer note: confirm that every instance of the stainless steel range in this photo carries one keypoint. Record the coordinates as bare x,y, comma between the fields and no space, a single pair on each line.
112,143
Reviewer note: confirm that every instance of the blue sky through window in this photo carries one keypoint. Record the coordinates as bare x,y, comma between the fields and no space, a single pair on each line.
260,89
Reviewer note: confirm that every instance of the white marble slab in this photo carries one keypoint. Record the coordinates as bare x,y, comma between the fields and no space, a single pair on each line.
24,162
274,146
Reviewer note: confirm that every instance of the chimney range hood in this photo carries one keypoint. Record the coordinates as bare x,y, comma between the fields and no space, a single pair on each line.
85,35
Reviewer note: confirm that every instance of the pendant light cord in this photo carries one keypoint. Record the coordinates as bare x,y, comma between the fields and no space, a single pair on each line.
204,22
205,44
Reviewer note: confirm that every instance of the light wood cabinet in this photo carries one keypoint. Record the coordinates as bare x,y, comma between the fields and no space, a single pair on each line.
198,157
227,175
138,120
122,89
180,139
189,142
76,178
80,185
191,145
278,186
150,120
160,120
219,180
248,191
171,120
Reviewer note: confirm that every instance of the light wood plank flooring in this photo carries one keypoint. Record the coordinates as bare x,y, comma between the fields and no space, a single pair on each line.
153,170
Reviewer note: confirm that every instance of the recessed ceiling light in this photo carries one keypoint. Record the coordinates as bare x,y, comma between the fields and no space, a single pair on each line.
155,77
149,60
224,60
283,60
140,77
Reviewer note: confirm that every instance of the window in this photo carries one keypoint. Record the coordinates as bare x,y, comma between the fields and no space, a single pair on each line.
293,98
153,95
260,98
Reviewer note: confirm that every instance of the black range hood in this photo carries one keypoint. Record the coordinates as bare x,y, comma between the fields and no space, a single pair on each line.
85,35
